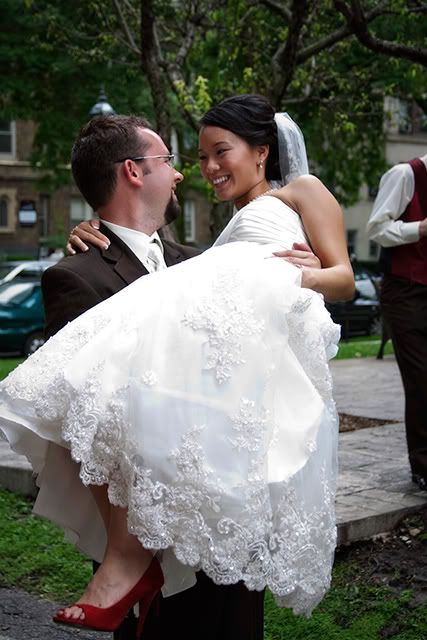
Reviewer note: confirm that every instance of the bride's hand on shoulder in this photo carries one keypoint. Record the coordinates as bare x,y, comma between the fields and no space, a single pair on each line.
86,231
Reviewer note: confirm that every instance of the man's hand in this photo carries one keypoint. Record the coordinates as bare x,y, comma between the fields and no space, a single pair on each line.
423,228
86,231
300,255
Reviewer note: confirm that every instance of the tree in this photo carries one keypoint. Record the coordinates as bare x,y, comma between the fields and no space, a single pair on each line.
329,63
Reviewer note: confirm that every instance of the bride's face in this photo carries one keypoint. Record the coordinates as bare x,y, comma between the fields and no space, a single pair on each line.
231,166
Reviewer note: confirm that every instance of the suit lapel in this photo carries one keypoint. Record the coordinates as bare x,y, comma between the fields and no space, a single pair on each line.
171,253
122,259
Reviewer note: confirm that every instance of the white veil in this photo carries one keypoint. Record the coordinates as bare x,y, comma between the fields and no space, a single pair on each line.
292,153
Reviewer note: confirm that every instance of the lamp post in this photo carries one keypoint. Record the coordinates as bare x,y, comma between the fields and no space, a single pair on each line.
102,107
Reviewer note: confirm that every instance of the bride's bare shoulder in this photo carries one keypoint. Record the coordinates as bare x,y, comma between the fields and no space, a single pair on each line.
301,185
299,188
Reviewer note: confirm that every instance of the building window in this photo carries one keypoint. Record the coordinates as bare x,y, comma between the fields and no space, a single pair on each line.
7,138
27,214
189,221
351,242
412,118
4,213
79,211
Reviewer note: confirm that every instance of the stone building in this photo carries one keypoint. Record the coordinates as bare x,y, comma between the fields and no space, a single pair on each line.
30,220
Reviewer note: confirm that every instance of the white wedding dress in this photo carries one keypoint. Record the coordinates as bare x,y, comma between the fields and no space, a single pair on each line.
201,394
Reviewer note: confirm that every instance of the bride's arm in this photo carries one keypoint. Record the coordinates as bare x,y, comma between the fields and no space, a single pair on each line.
323,222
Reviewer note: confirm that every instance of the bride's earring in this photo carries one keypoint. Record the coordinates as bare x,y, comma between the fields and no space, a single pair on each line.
261,163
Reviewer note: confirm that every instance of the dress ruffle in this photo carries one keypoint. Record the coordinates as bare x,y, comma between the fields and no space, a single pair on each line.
202,396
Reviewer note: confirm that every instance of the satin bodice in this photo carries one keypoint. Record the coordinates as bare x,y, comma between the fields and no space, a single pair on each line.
265,220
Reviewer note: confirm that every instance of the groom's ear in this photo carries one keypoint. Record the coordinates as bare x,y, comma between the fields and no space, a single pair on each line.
132,171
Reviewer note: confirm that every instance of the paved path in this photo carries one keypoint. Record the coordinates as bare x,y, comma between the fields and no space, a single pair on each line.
374,486
25,617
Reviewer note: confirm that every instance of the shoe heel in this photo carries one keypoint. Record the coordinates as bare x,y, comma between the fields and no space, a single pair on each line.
144,607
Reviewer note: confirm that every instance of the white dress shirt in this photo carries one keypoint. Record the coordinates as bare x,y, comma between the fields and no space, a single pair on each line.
139,243
395,193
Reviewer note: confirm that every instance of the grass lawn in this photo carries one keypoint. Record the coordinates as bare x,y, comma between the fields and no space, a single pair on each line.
7,365
364,347
34,557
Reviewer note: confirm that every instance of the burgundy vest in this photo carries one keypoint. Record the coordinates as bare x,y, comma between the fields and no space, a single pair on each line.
409,261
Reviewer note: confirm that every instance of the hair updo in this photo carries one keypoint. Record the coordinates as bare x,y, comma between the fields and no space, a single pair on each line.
251,117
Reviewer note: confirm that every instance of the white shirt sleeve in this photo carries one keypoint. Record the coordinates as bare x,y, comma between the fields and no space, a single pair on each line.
395,193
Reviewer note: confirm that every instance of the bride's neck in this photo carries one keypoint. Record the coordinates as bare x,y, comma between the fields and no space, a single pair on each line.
260,189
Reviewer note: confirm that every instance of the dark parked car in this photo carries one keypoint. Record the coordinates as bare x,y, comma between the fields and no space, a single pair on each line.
360,316
21,317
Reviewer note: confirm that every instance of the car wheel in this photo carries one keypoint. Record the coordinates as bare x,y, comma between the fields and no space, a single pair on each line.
376,327
33,342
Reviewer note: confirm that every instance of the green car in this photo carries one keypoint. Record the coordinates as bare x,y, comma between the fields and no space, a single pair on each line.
21,317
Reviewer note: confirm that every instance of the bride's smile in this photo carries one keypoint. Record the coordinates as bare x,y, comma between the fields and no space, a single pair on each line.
231,165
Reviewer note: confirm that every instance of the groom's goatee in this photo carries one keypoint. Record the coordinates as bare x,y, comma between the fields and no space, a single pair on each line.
172,210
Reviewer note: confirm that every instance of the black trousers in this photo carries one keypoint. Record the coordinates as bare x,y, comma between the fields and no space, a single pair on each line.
404,306
204,612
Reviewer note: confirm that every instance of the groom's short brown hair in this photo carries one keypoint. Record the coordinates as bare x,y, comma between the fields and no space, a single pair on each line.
100,144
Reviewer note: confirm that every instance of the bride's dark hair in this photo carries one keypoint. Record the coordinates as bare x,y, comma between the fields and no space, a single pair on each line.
250,117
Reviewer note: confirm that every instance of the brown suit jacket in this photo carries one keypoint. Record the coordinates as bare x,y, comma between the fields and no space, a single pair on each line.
77,283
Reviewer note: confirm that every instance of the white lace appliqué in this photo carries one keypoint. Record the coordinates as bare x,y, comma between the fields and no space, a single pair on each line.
227,317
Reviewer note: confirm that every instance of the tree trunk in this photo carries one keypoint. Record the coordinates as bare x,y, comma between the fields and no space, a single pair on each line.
151,60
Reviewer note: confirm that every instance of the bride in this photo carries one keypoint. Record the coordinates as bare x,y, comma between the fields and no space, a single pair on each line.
206,413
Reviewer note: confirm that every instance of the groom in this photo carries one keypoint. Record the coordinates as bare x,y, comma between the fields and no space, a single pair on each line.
124,171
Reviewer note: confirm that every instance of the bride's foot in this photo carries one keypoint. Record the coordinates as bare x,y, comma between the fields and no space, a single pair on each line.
115,577
109,617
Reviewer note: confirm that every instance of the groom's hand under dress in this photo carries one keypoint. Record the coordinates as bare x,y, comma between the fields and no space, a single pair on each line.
300,255
87,230
303,257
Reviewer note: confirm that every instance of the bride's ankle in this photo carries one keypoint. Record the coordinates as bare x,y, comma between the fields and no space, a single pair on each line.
133,560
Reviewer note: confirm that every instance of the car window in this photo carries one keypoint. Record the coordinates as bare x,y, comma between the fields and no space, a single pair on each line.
365,285
5,269
16,293
29,274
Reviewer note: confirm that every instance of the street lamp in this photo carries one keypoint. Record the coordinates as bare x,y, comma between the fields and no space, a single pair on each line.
102,107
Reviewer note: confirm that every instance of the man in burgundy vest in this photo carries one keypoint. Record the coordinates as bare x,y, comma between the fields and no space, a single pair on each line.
398,223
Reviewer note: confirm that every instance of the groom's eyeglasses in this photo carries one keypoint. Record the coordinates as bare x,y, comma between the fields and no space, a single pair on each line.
170,158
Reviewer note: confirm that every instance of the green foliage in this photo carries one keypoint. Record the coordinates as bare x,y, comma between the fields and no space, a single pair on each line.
34,556
55,60
57,54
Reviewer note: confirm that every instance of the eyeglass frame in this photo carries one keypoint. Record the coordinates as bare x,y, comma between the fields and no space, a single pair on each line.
169,156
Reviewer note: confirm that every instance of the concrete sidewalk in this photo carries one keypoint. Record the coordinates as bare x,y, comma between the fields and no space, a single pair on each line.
374,481
374,484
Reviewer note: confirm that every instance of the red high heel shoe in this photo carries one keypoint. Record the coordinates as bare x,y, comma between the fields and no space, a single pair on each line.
110,618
